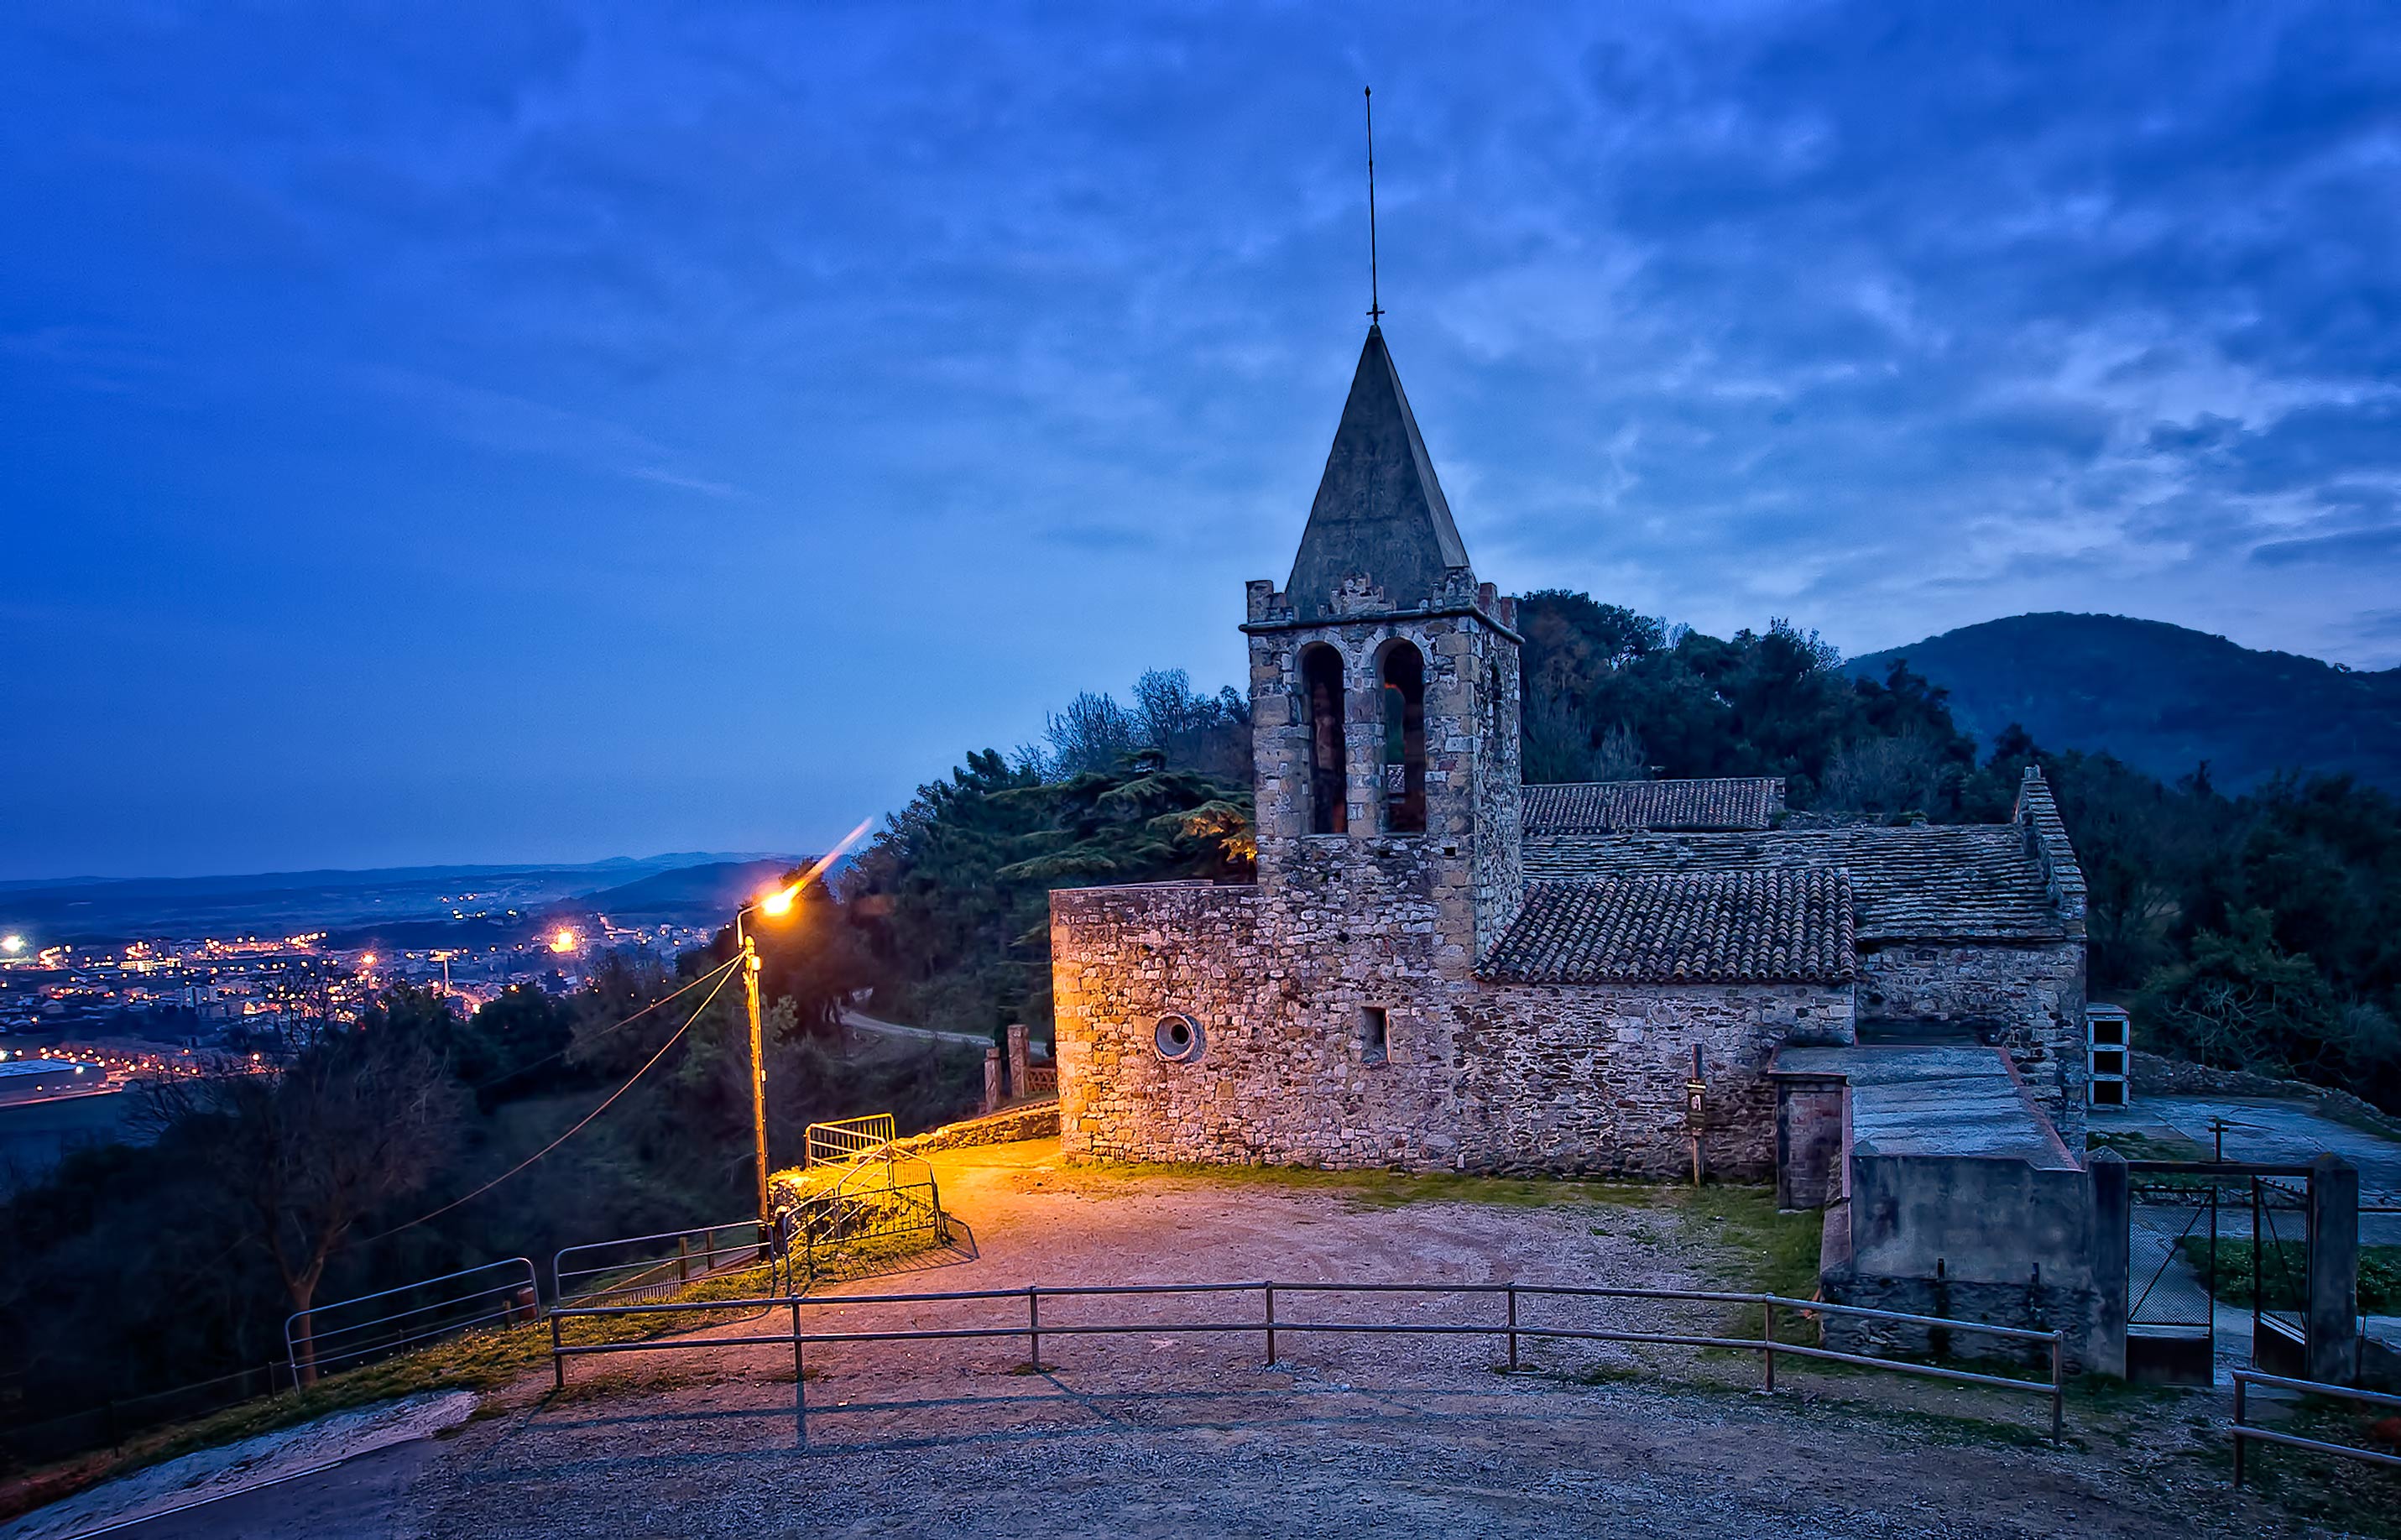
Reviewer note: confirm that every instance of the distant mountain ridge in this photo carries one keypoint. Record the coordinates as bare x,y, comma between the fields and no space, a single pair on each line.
88,911
2162,697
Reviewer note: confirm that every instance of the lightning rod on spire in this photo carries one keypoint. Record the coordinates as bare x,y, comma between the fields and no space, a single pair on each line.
1374,303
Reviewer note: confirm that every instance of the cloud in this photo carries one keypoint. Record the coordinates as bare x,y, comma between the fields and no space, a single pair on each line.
2373,546
1891,320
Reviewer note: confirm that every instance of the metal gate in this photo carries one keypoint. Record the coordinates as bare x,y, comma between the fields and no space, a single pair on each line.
2279,1276
2174,1228
2207,1241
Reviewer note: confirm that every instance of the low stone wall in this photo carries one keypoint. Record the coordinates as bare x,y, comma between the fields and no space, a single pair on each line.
2028,1307
1992,1240
2156,1076
1034,1120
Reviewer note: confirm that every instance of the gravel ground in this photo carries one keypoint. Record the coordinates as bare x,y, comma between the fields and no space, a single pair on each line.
1312,1450
1171,1431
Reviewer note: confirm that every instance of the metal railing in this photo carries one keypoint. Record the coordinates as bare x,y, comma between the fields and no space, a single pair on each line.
883,1200
1510,1327
848,1138
110,1422
612,1270
2246,1431
506,1294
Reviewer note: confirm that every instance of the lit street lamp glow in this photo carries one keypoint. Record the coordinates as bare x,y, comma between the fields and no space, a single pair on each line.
563,941
12,944
780,900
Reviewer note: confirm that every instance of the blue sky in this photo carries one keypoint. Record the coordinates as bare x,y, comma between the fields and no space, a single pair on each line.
490,432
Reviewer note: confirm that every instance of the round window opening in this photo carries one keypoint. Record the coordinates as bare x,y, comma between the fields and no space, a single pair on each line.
1178,1038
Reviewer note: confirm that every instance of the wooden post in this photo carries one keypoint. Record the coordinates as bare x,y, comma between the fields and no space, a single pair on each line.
683,1262
2238,1387
2058,1387
990,1080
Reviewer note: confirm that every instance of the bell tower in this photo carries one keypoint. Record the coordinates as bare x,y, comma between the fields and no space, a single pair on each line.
1384,692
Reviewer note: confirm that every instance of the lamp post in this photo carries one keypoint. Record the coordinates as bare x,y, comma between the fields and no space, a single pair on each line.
772,904
777,902
758,1065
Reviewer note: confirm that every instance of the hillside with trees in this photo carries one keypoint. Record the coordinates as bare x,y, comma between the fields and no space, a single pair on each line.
367,1161
2162,698
2252,930
2258,931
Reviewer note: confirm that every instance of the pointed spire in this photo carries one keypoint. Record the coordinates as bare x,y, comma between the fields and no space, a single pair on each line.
1379,512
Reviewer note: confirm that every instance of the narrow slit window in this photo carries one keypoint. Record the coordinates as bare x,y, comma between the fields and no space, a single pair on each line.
1375,1034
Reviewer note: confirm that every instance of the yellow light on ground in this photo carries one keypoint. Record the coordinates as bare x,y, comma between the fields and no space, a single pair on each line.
563,941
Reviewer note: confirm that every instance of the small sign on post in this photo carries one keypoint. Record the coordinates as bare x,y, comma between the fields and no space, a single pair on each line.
1697,1094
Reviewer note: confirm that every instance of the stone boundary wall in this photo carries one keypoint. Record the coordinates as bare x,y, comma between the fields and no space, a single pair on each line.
2035,1308
1034,1120
2155,1075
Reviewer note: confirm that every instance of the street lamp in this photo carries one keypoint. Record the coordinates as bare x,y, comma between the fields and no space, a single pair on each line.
775,905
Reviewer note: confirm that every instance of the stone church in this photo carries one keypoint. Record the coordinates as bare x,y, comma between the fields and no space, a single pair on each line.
1439,966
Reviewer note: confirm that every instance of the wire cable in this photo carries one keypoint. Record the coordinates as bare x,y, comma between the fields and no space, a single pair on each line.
537,1064
724,972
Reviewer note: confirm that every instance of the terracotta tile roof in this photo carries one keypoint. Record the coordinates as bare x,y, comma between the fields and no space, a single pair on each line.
1600,806
1753,926
1964,882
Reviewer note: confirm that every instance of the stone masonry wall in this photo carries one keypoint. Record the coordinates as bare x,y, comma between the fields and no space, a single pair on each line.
1470,846
1476,1077
2026,998
1589,1079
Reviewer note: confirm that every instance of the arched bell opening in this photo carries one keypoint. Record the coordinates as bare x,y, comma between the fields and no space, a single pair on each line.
1321,692
1402,671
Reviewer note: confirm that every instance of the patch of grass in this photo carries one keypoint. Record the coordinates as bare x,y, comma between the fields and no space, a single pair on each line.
2148,1147
2280,1280
1779,1251
2353,1495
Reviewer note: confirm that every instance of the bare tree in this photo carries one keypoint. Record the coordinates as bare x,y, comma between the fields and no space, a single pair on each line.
1093,733
358,1118
1885,774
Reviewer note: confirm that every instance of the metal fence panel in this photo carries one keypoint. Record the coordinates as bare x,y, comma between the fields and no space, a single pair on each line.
350,1332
